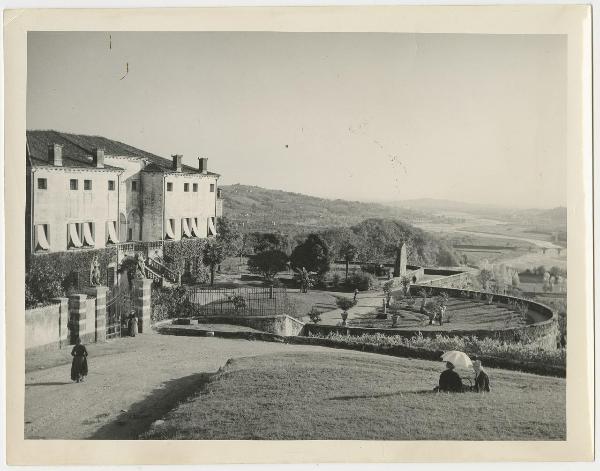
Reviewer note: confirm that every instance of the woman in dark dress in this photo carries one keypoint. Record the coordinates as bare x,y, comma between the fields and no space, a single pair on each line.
133,325
79,367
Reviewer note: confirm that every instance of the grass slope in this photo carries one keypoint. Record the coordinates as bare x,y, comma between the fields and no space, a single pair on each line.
353,395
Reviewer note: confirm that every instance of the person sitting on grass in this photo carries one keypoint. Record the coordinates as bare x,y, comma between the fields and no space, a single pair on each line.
449,380
482,380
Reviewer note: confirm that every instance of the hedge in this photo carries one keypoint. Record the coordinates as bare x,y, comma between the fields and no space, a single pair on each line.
71,268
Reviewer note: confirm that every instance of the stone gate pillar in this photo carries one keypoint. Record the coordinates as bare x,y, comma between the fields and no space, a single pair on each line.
143,303
63,321
99,292
77,317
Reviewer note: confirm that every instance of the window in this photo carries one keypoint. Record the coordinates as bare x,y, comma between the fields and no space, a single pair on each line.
212,187
42,184
195,187
73,184
134,185
42,237
111,185
130,234
87,184
186,187
169,186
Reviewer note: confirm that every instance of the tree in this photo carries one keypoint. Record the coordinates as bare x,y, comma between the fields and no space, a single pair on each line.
485,276
516,282
348,252
229,235
387,289
263,241
214,254
405,282
312,254
268,263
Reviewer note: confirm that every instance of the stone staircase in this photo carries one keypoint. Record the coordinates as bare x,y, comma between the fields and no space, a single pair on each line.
157,271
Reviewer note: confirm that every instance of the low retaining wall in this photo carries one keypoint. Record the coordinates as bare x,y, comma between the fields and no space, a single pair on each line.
283,324
452,278
46,326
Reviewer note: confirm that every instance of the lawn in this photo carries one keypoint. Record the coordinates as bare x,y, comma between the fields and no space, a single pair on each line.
323,301
460,314
352,396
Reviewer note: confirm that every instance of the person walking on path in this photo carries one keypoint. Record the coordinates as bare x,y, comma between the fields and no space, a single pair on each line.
79,367
355,294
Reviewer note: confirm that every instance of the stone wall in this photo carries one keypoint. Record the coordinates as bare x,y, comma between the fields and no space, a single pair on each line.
283,325
46,327
80,315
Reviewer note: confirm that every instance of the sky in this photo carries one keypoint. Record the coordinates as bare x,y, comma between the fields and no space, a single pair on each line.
359,116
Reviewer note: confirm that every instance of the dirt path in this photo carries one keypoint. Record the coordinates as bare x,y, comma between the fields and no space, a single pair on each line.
131,384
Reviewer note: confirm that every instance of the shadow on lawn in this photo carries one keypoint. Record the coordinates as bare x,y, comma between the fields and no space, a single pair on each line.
130,424
375,396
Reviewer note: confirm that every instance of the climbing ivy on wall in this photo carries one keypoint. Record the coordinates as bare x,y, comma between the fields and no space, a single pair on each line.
70,269
185,257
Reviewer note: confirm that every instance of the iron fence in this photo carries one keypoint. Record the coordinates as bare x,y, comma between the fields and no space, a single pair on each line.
240,302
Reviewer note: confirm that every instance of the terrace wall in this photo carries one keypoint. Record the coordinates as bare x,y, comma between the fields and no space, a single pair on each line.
283,325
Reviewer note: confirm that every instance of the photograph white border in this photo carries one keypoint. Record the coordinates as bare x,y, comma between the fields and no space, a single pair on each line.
572,20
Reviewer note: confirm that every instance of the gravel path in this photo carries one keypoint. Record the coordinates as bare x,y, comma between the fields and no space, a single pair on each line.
132,383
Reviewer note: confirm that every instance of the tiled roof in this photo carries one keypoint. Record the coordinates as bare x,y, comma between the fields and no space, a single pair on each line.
78,148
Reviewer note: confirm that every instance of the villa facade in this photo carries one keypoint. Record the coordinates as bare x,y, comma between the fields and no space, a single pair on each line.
89,192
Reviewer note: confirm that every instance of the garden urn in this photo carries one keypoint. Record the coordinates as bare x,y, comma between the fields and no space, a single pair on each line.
344,317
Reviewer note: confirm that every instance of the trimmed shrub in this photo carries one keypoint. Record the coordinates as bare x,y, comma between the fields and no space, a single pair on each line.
530,352
361,281
169,303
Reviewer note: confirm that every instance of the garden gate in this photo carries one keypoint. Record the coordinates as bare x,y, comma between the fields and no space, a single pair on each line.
120,303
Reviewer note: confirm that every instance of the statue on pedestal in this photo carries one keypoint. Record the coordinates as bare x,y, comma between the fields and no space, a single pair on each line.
140,267
95,272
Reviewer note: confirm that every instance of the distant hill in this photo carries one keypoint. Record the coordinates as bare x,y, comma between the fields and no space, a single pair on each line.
261,209
555,217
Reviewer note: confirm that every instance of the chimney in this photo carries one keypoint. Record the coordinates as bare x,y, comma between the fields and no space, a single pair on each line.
55,154
202,164
177,162
98,157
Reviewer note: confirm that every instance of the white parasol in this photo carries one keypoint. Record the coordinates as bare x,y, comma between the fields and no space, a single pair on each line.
458,359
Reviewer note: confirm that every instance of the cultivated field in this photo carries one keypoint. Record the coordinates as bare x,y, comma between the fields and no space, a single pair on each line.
353,396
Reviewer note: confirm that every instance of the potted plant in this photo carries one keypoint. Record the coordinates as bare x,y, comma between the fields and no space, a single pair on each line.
344,304
314,315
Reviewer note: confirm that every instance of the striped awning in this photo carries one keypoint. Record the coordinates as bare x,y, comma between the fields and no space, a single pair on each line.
112,232
211,226
41,240
195,230
88,238
74,240
185,228
169,229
